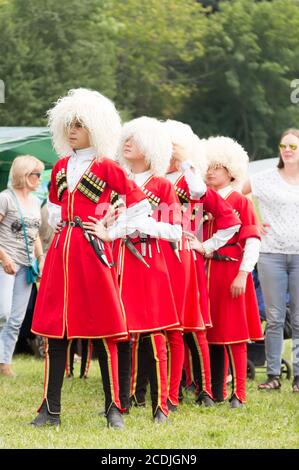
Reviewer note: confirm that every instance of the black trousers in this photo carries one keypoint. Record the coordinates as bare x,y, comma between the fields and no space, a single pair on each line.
55,369
217,358
56,350
124,372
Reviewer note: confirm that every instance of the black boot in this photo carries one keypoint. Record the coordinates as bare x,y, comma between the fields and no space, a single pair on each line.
44,418
205,399
235,402
114,418
134,402
160,417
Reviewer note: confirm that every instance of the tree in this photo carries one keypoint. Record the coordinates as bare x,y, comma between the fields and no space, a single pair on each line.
243,81
48,47
156,42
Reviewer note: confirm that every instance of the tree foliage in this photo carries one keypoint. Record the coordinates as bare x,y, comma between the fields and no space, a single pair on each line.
225,70
157,41
244,81
48,47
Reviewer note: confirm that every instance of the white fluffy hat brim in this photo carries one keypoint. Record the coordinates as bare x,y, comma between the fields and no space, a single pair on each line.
153,141
183,135
230,154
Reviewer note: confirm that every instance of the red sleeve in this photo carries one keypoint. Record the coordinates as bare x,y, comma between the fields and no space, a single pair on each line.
184,185
53,197
117,180
249,226
170,207
220,209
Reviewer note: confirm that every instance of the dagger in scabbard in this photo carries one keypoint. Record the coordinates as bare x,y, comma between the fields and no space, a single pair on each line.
217,257
134,251
96,244
175,247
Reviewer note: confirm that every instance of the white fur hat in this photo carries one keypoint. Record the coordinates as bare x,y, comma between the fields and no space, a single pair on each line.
153,141
96,112
183,135
230,154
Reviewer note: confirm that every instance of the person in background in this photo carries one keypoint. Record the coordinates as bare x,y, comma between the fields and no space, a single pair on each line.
19,215
28,341
46,232
277,193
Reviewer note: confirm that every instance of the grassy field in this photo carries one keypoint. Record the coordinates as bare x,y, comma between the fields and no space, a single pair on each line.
269,420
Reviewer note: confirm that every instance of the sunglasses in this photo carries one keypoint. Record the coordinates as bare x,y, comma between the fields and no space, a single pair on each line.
36,174
284,146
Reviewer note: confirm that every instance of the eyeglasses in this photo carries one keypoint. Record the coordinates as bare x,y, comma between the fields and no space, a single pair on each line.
36,174
284,146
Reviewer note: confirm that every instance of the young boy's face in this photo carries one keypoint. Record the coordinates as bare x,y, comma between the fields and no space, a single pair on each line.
131,151
218,177
178,155
78,136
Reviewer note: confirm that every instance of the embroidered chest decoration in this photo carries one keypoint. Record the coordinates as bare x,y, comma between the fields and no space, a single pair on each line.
61,183
91,186
152,199
183,197
115,200
195,211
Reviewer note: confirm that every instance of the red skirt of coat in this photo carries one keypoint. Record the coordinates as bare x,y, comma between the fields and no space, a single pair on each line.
78,295
184,285
146,292
235,320
203,290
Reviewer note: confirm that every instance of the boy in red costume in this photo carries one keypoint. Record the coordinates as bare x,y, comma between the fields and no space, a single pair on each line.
79,295
188,163
145,284
233,304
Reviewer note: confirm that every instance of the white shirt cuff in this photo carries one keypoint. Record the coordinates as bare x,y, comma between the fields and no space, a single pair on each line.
127,221
251,254
196,184
220,238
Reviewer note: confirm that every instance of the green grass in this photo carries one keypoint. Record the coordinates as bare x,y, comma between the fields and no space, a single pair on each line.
269,420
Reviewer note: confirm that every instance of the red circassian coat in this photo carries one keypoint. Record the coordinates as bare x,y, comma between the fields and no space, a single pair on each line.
224,217
235,320
79,296
146,291
183,272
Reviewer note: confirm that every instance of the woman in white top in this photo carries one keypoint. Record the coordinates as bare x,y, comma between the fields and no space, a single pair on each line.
277,193
14,289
